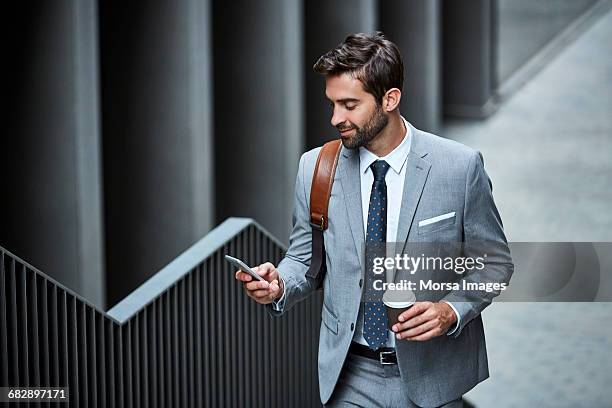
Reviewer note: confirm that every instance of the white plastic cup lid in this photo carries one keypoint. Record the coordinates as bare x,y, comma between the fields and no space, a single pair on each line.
398,305
399,299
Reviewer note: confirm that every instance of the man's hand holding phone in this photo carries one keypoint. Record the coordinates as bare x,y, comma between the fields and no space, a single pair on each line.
264,291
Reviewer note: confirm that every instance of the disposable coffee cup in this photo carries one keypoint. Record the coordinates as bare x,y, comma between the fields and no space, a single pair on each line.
396,302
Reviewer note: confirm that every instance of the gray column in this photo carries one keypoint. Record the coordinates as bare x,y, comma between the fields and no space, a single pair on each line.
415,27
258,109
156,78
51,208
327,23
468,63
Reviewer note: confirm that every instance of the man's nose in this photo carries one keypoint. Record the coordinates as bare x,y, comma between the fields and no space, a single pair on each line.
337,118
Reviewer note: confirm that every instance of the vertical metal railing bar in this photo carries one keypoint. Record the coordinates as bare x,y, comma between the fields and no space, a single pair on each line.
22,312
197,338
32,327
230,323
151,363
220,331
283,367
247,323
143,357
73,360
183,356
264,325
252,334
100,358
263,334
43,330
191,355
127,363
90,346
109,335
240,336
54,350
160,388
4,356
135,349
64,356
168,350
216,371
260,332
175,346
207,311
275,356
160,352
119,384
277,350
82,360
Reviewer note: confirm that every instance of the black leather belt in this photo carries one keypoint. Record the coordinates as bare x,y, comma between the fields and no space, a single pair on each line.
384,355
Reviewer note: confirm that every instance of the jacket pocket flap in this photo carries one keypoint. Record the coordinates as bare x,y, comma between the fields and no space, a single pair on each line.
329,319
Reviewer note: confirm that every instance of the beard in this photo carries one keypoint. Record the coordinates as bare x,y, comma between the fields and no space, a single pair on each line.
365,134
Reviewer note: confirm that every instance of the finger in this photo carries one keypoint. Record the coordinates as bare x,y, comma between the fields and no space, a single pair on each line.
416,331
274,287
427,335
426,316
254,285
414,322
271,291
265,269
242,276
260,293
416,309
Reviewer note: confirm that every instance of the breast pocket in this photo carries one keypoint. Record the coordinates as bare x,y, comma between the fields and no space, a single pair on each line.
436,223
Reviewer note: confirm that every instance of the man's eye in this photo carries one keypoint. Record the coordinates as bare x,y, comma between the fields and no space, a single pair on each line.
350,107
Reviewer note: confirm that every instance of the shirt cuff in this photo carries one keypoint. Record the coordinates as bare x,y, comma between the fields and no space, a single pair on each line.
280,303
457,324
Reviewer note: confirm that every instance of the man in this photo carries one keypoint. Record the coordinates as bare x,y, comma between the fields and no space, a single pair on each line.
432,190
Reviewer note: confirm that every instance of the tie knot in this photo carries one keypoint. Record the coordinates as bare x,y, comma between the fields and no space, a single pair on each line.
379,168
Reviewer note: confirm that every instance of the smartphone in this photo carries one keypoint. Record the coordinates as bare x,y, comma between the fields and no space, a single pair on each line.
243,267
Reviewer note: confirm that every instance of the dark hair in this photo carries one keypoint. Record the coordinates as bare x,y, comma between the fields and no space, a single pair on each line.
372,59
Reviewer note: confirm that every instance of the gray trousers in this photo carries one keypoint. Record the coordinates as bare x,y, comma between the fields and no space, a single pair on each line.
365,382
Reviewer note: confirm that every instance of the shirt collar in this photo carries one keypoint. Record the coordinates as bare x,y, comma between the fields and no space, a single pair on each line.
396,158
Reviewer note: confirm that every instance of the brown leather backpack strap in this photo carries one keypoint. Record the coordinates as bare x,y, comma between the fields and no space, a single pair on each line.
322,182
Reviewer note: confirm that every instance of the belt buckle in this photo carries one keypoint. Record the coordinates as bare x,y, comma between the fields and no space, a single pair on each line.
381,357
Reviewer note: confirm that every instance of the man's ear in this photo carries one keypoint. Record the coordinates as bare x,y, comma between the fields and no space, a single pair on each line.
391,100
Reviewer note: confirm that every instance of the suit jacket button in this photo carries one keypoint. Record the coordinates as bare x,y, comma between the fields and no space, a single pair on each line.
360,282
352,326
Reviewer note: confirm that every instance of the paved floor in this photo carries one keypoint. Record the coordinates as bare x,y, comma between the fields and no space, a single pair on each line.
548,151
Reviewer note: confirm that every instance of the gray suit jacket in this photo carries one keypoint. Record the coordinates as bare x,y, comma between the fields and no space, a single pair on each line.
442,176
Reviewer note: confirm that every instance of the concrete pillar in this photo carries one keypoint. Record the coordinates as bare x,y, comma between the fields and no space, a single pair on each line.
415,27
156,100
327,23
468,63
258,109
51,209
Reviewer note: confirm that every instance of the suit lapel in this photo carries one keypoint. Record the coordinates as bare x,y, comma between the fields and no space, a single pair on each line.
416,176
417,171
351,188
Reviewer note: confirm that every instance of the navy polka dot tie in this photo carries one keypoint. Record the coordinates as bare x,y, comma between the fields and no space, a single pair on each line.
375,317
